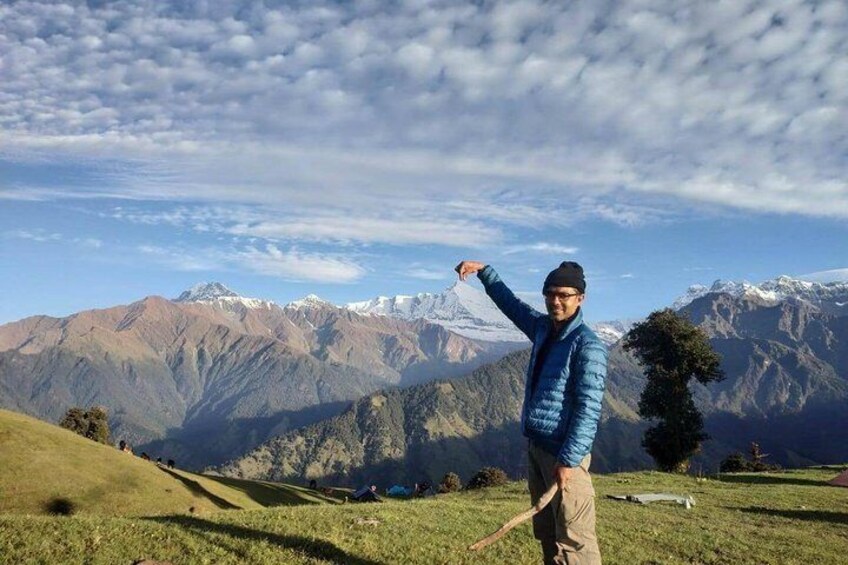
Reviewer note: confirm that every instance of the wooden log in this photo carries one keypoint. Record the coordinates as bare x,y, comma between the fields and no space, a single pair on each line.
543,501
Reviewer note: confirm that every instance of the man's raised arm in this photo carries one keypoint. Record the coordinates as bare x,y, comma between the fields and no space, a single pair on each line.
521,314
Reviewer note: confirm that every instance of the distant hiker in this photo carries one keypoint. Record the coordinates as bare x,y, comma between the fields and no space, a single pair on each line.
562,405
158,460
757,455
122,445
171,463
423,489
313,484
366,494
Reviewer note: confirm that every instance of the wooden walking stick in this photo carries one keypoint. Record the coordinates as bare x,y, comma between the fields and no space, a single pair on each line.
543,501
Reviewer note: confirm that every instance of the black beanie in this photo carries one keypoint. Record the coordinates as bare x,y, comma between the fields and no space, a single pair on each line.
568,274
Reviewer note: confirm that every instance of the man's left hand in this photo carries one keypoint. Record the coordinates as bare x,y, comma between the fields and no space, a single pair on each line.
562,475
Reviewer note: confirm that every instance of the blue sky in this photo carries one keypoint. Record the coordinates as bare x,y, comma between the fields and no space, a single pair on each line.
358,149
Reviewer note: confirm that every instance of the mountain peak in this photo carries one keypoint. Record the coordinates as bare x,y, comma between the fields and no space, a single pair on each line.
206,291
460,308
218,295
310,301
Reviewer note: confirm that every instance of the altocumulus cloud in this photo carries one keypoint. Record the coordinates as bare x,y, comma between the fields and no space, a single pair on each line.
345,105
541,247
329,225
270,260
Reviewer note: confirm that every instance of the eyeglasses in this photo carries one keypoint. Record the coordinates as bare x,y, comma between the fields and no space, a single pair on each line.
559,296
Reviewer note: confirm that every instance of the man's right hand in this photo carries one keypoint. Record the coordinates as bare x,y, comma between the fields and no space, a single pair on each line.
468,268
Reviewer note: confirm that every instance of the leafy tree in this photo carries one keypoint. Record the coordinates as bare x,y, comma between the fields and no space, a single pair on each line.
75,421
673,351
92,423
98,425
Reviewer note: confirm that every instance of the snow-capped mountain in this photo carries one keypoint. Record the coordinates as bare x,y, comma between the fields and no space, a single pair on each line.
205,291
461,309
218,294
467,311
310,301
611,332
830,297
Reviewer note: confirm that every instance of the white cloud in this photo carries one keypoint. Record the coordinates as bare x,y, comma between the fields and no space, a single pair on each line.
297,266
182,259
270,260
541,247
37,235
833,275
398,227
438,106
90,242
45,236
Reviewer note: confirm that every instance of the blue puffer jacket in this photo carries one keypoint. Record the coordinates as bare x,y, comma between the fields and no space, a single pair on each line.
561,414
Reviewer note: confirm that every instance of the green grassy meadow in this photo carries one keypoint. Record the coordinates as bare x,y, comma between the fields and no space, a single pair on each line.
126,513
791,517
41,463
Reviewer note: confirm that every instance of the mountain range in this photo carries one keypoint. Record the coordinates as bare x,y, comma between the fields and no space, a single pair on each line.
787,388
829,297
211,374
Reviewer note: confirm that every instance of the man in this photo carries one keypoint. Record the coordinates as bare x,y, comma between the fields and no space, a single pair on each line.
562,405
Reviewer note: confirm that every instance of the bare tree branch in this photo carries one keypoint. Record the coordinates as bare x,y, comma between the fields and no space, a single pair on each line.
544,500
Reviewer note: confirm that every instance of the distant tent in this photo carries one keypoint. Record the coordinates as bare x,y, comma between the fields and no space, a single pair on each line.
840,480
398,490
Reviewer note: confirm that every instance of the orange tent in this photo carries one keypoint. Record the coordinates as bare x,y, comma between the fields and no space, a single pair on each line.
840,480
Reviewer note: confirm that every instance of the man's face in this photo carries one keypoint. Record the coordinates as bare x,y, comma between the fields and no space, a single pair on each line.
562,302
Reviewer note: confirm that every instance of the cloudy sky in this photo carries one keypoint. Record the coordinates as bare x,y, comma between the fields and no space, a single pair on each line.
353,149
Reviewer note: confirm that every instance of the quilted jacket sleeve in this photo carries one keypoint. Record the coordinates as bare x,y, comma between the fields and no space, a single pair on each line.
521,314
588,371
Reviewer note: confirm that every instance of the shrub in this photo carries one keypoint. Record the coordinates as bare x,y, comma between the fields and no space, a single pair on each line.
450,483
734,463
487,477
760,467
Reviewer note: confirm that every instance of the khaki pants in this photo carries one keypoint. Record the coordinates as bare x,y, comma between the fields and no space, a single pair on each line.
566,527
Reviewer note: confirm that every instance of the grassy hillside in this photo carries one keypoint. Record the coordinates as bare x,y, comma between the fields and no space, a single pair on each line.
790,517
41,463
